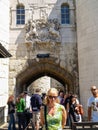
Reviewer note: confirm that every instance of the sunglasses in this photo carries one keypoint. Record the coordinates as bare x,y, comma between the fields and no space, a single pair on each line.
93,89
51,97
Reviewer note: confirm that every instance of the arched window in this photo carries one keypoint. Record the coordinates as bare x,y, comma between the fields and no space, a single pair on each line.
65,16
20,14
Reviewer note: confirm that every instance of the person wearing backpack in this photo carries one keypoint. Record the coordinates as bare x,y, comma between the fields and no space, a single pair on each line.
36,103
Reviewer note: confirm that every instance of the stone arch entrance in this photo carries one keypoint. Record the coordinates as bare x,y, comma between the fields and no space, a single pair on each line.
43,67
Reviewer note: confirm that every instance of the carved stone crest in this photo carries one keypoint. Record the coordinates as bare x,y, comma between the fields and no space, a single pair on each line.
43,31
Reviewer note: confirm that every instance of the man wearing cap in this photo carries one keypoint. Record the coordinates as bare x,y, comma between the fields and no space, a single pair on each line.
93,105
36,103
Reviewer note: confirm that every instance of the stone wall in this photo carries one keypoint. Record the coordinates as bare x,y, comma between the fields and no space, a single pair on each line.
24,48
4,62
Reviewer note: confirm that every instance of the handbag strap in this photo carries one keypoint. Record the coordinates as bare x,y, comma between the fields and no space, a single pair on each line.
45,115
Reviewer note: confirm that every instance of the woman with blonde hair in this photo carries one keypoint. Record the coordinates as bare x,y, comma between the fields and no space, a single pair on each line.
55,114
11,111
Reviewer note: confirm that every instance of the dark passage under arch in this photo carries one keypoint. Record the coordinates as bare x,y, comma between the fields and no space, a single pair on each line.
43,67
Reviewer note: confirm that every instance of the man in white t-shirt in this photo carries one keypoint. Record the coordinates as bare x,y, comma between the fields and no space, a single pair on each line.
93,105
27,108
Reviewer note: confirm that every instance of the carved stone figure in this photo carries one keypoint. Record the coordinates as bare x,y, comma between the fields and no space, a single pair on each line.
31,32
43,30
53,31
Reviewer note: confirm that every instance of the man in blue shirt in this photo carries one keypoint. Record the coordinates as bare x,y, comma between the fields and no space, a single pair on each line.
36,103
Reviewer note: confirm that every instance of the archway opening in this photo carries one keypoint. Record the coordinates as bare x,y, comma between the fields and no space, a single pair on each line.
44,67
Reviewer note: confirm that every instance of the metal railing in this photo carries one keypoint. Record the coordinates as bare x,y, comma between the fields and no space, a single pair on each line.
85,126
1,115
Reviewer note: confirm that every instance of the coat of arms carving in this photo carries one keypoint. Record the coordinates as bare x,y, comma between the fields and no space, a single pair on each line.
40,31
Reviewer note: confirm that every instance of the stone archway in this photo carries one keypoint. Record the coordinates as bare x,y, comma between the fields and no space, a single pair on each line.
43,67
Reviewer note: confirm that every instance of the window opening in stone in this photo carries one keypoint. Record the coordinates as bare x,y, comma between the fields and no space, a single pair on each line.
65,14
20,15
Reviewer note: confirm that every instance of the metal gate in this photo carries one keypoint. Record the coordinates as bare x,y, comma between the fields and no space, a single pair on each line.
1,115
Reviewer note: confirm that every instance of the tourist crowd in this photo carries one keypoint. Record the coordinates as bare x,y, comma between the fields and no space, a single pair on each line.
49,111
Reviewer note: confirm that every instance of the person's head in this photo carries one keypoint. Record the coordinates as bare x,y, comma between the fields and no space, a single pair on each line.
66,96
25,93
70,93
73,98
21,95
52,96
43,95
61,94
10,99
37,90
94,90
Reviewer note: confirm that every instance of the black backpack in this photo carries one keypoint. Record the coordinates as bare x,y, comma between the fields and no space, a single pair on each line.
36,102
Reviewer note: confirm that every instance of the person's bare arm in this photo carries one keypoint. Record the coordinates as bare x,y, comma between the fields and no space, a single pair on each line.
89,113
42,116
67,108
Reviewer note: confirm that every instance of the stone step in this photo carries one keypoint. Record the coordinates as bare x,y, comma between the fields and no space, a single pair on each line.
5,127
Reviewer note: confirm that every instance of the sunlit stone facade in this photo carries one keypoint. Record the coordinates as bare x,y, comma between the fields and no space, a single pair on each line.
87,40
72,47
4,62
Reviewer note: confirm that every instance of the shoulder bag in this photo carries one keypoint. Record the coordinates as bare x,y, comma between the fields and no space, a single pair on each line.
45,116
